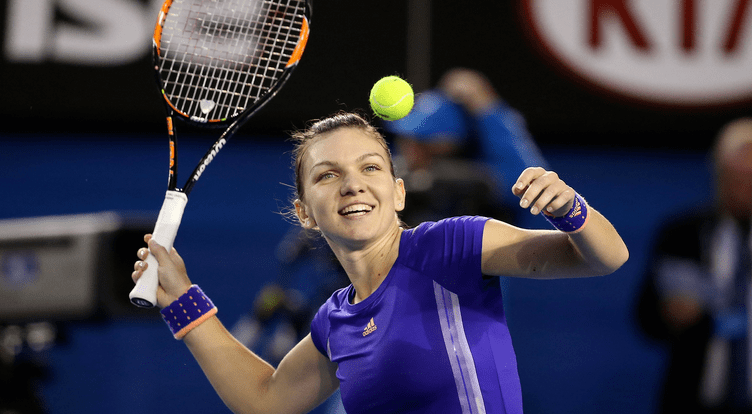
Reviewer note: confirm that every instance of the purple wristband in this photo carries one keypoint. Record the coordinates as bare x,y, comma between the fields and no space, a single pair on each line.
575,220
188,311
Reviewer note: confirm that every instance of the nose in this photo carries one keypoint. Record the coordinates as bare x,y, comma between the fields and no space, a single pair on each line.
351,185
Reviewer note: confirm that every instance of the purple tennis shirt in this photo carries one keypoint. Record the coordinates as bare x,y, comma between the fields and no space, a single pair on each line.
432,338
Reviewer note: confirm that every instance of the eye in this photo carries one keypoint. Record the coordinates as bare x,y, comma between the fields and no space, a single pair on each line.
372,167
325,175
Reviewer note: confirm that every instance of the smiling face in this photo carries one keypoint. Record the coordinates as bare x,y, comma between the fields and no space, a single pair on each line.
349,192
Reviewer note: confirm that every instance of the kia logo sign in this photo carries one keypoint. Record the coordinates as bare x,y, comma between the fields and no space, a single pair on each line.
667,52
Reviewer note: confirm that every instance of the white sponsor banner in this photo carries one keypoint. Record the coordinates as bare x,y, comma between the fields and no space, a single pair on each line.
666,52
78,32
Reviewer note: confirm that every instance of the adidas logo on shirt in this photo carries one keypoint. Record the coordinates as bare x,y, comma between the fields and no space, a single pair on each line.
369,328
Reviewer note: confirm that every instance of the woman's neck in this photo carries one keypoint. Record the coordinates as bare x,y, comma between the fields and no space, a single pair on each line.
368,267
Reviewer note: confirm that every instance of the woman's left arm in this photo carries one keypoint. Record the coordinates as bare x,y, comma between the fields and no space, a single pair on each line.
592,249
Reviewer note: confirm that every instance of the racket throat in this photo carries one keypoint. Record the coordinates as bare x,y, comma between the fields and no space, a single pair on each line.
205,161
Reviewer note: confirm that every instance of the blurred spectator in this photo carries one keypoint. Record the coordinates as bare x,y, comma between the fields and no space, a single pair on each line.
460,150
697,297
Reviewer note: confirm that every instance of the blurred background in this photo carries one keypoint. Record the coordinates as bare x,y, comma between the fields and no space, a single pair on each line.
624,99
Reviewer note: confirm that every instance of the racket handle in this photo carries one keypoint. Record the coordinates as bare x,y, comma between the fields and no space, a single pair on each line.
144,294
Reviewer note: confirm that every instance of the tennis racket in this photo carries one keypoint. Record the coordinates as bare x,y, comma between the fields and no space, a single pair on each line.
217,62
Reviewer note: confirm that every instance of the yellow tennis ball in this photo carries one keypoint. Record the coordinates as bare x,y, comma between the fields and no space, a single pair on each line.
391,98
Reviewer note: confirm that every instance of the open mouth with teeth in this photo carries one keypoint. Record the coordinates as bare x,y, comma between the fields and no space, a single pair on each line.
356,210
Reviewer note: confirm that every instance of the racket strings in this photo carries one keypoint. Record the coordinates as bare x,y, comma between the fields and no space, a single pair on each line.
234,30
218,57
268,41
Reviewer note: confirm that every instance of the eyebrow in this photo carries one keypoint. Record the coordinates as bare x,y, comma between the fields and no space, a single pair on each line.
359,159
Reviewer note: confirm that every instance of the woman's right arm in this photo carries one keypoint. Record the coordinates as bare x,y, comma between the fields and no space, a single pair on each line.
245,382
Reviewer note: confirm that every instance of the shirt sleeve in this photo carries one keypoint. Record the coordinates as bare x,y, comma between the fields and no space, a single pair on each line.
320,328
449,251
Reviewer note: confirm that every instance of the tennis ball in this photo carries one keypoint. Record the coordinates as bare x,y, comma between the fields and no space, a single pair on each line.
391,98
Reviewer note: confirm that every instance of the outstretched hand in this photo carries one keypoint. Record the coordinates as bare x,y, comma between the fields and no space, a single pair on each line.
543,191
173,277
469,88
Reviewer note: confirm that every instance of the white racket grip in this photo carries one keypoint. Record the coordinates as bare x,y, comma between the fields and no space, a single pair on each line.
144,294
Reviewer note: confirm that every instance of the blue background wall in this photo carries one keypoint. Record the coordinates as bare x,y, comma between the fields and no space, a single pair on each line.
578,347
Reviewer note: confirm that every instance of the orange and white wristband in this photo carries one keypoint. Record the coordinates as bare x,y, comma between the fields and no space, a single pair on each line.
188,311
575,220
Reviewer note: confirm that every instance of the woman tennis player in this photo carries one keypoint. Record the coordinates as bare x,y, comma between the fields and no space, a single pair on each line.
421,329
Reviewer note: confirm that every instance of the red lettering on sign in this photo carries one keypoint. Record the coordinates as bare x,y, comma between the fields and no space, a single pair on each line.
689,25
731,44
601,9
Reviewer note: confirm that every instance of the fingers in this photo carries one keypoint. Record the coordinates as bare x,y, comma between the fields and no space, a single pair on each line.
469,88
140,265
543,191
136,275
162,256
159,252
173,278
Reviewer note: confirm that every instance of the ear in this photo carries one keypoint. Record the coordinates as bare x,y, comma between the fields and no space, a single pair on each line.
399,195
306,221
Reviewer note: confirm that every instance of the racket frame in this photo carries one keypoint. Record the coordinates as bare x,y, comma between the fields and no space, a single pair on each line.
144,294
